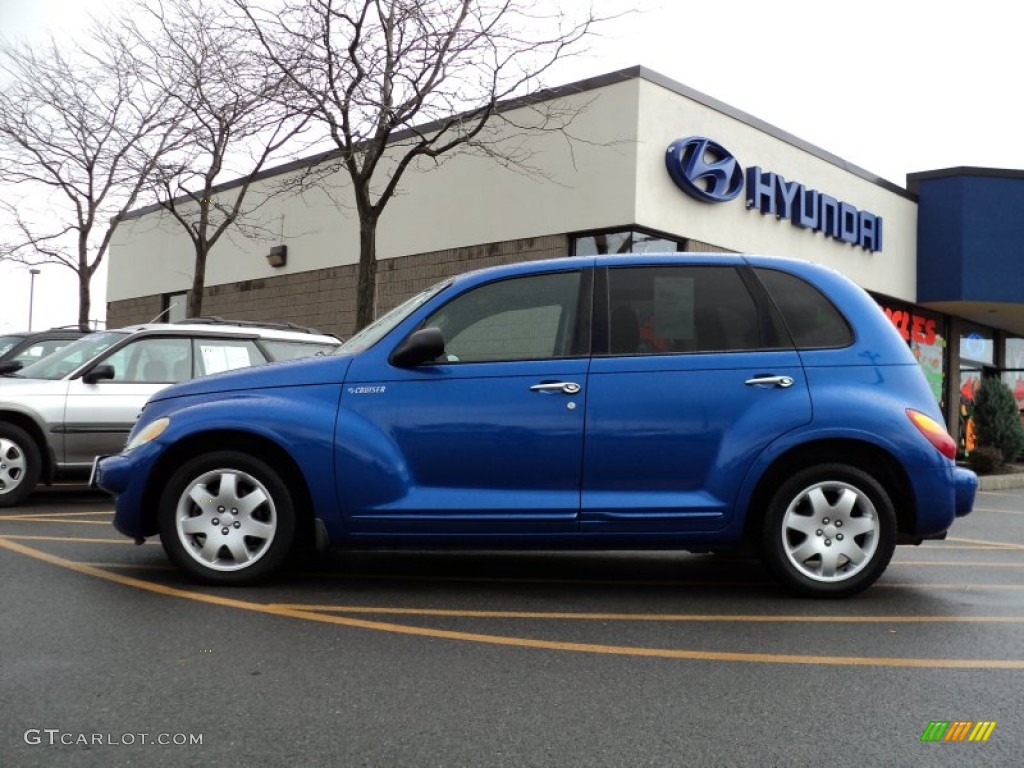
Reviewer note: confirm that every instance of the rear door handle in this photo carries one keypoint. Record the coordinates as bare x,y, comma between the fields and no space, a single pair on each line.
772,381
565,387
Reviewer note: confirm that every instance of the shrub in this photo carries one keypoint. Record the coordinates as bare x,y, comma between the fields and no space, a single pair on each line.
996,418
985,459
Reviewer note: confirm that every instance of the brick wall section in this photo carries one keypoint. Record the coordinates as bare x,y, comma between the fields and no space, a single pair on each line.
131,311
398,279
325,299
698,246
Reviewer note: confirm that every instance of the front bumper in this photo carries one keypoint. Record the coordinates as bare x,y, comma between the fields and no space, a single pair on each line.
125,477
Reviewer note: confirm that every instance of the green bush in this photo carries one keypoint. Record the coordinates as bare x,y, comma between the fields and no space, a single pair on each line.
985,459
996,418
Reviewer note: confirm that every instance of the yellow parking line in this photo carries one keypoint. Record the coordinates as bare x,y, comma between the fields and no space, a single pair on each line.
951,564
996,544
937,585
130,566
28,519
1002,511
659,617
55,514
516,642
69,539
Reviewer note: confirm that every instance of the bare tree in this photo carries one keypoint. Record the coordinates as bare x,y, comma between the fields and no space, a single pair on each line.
393,81
79,137
237,119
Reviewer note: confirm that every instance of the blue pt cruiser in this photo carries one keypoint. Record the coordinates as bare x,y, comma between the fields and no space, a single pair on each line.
695,402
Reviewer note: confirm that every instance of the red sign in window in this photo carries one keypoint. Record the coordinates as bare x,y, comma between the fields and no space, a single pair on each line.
912,327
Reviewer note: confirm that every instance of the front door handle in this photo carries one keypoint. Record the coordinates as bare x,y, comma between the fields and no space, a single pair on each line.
773,381
565,387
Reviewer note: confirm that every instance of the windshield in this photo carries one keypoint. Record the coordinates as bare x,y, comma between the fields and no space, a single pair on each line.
380,327
61,363
7,342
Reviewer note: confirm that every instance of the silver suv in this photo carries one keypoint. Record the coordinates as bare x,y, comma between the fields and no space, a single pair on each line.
57,414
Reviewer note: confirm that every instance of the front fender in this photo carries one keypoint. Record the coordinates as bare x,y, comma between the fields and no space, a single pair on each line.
302,427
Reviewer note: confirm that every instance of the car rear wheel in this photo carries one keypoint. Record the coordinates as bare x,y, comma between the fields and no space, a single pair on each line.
20,465
227,518
830,531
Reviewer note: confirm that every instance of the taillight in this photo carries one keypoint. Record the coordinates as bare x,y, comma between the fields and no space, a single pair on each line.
935,432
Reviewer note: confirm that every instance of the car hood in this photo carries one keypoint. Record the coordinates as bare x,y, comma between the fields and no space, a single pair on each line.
292,373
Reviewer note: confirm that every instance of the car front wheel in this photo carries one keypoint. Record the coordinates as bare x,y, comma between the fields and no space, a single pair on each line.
20,465
830,531
227,518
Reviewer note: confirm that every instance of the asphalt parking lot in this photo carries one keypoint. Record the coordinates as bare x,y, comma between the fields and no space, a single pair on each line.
110,658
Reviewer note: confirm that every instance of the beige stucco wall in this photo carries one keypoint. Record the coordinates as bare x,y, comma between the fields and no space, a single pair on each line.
665,116
466,200
612,175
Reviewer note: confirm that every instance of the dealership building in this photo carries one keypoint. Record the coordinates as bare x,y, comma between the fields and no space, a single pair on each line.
647,164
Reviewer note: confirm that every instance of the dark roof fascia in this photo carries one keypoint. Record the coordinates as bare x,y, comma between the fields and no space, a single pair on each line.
914,179
581,86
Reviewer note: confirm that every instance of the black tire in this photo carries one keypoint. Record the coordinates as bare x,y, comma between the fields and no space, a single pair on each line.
20,465
830,531
241,534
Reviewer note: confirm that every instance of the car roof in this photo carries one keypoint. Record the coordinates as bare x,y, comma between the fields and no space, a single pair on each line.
623,260
220,327
51,333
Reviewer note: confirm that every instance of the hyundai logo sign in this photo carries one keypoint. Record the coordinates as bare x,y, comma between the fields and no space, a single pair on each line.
707,171
704,169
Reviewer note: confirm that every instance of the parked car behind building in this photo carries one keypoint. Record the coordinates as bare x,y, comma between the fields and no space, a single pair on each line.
57,414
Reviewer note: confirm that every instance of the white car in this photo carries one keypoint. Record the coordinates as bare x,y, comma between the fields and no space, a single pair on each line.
57,414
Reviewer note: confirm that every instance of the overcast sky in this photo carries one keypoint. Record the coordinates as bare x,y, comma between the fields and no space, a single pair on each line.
893,87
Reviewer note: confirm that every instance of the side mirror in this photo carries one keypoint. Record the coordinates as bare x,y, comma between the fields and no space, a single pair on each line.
10,366
103,372
423,346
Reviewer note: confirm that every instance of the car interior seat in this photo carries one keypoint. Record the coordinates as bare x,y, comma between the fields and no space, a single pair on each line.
155,371
182,371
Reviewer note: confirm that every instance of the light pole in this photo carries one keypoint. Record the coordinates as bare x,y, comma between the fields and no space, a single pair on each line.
31,295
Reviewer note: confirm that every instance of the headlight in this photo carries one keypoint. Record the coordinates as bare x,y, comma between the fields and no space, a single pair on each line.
149,432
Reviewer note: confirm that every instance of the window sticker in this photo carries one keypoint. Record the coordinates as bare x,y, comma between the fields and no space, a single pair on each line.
219,359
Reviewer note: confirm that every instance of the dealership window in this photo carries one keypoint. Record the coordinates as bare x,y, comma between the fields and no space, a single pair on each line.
925,333
977,344
977,352
624,241
1013,374
175,307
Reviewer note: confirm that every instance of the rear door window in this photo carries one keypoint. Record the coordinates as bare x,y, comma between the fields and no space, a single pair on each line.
679,309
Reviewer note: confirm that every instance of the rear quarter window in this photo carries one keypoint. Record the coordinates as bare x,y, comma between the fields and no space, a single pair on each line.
813,320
